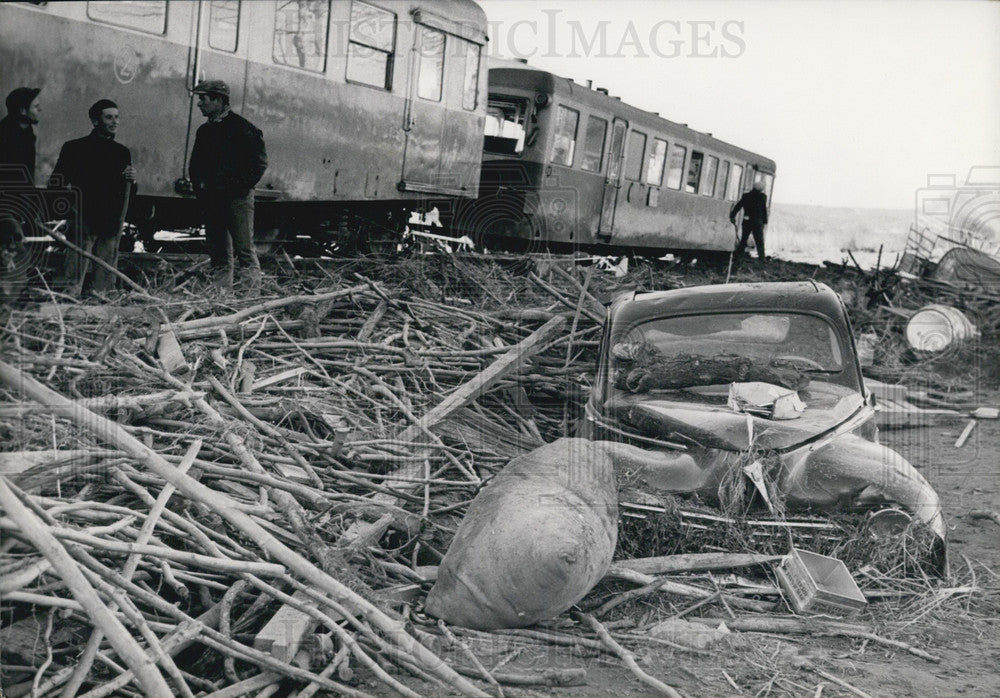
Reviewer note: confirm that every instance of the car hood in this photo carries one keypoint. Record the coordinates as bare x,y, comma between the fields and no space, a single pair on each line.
701,417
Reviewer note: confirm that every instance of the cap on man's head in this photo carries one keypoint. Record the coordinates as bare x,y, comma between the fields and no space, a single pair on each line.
100,105
759,185
21,98
211,87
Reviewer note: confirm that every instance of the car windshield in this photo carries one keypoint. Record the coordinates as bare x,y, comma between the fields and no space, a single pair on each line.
760,340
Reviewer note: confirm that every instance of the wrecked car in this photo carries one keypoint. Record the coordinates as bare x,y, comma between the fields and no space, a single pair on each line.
695,382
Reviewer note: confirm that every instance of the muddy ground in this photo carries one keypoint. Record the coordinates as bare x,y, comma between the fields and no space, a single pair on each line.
963,631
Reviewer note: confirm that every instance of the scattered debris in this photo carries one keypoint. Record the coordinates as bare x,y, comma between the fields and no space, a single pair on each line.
964,436
934,328
764,399
689,634
819,584
991,515
271,511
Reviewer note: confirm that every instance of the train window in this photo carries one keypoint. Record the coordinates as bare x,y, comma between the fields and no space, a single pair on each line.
371,46
223,24
633,156
675,165
564,143
616,150
708,178
300,33
431,74
144,15
593,144
505,127
657,159
723,176
694,172
733,185
470,85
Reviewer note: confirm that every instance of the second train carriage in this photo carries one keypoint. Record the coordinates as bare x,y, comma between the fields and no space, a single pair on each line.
367,106
566,166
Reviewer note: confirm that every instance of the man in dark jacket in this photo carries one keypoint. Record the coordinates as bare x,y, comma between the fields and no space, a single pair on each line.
17,137
100,169
17,174
227,161
754,206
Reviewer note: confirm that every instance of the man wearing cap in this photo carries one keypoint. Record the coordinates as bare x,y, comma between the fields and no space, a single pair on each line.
754,206
101,170
227,161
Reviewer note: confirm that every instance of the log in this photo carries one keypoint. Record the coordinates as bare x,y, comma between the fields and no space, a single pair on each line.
684,590
267,306
16,462
695,562
686,370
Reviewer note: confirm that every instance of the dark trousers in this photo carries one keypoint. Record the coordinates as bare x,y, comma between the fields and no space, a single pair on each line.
757,230
13,267
99,239
229,233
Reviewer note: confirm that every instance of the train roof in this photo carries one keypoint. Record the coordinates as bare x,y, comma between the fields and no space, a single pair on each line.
465,16
521,76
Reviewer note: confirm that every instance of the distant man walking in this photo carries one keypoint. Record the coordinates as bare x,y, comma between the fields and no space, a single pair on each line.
227,161
754,206
101,170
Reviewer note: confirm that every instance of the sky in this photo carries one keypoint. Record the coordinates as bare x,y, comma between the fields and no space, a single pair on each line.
857,102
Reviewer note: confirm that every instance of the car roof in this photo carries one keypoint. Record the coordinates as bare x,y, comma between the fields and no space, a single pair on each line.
802,296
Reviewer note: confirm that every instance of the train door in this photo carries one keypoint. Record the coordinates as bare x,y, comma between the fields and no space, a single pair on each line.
425,107
613,181
219,41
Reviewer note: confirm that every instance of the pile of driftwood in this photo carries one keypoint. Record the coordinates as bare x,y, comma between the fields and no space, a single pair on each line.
208,496
178,469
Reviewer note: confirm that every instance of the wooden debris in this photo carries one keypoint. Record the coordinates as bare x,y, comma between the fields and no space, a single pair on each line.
283,635
964,436
628,658
168,350
343,433
695,562
980,514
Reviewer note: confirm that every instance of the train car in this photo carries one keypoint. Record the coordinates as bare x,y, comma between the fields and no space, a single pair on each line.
567,166
367,106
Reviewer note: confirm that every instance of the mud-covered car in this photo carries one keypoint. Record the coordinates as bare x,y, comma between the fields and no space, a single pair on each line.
695,382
